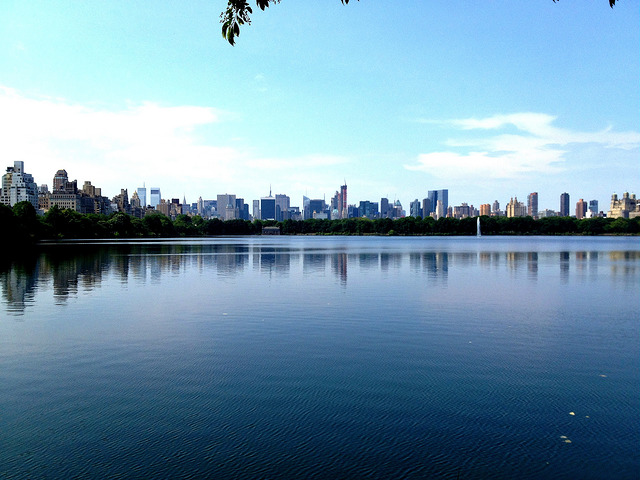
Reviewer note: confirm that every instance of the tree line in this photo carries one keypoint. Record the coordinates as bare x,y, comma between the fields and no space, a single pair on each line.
21,225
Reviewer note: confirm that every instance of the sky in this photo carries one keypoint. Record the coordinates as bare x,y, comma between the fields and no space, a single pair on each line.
490,100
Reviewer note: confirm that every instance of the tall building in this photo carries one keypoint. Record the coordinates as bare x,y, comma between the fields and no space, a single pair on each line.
154,196
485,209
283,202
436,196
625,207
242,209
581,209
313,207
427,208
495,208
384,208
256,210
343,209
396,211
516,208
122,201
18,186
414,208
60,180
593,207
368,209
142,195
564,205
227,207
268,208
532,204
463,211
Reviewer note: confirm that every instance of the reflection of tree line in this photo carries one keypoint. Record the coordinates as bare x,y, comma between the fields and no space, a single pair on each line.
71,267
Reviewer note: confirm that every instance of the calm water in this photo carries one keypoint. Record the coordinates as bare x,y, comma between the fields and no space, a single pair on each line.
313,357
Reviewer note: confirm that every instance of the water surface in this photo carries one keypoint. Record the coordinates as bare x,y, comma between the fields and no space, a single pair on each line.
316,357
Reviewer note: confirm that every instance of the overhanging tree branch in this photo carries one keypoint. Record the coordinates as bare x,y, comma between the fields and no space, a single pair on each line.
238,13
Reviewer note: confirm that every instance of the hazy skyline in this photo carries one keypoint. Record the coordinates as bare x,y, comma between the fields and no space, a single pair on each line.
489,101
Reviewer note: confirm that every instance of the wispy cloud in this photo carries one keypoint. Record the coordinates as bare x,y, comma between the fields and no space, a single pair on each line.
535,146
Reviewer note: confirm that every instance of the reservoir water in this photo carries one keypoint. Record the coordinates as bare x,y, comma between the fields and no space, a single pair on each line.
322,357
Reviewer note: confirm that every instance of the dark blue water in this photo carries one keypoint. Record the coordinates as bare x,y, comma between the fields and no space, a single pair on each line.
313,357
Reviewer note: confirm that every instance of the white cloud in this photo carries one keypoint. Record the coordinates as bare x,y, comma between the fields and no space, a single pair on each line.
537,146
110,147
164,146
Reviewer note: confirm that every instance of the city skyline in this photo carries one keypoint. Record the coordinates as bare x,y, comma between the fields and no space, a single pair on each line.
316,94
279,206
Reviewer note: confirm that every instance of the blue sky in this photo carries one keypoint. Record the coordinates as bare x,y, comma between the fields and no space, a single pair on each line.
488,99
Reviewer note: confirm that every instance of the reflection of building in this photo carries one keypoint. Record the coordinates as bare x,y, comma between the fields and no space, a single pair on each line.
17,285
339,266
625,207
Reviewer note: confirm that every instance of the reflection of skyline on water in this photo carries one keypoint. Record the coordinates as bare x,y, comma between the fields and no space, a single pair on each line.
66,270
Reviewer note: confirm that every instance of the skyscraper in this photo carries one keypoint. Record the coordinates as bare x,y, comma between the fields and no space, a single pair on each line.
154,196
283,202
436,196
18,186
342,204
268,208
306,210
581,209
384,208
532,204
142,195
564,205
256,210
427,208
516,208
414,208
227,207
60,179
593,207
